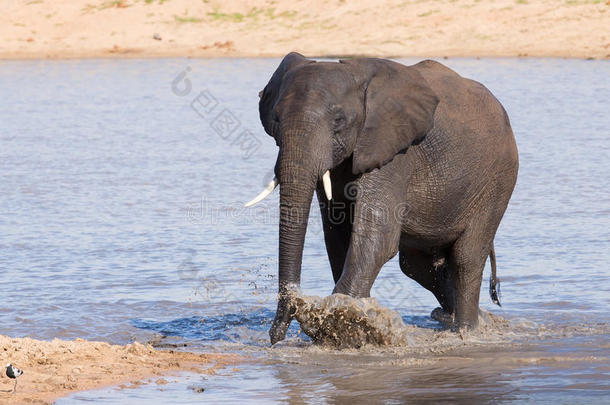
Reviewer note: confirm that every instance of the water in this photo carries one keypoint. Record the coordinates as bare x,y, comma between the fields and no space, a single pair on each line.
121,219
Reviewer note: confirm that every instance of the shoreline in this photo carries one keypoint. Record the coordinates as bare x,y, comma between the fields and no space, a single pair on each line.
71,29
57,368
144,56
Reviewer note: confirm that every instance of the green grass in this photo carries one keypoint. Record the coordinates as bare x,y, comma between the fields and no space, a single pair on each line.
235,17
252,14
88,7
582,2
114,3
428,13
187,19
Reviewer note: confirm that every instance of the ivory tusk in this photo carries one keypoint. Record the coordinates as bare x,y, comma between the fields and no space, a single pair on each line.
328,188
268,190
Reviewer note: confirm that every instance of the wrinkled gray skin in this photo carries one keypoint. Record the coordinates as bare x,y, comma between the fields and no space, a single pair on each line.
430,156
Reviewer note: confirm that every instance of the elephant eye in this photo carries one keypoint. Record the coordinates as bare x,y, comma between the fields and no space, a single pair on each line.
339,121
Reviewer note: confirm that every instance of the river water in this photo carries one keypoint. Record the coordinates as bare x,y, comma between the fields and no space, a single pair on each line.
122,184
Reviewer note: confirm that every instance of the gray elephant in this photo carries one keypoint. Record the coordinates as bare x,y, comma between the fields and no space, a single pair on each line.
414,160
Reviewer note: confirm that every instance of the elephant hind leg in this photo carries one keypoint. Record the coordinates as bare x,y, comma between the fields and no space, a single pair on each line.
467,259
432,272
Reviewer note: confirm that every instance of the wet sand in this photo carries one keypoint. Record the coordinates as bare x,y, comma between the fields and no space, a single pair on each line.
245,28
56,368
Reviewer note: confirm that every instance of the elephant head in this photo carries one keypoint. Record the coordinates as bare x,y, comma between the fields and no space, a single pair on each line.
320,114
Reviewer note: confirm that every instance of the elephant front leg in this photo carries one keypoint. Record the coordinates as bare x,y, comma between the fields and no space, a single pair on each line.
374,241
337,223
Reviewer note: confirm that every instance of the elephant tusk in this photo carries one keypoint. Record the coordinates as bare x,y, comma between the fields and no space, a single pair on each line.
268,190
328,188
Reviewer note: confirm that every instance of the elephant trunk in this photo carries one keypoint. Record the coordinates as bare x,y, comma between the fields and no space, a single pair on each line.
298,174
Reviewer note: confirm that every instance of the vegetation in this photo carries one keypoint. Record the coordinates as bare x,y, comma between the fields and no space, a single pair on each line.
252,14
187,19
428,13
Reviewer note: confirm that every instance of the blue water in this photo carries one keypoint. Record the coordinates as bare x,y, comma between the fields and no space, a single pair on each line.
121,219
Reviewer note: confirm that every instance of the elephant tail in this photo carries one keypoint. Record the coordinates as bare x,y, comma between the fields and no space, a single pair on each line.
494,281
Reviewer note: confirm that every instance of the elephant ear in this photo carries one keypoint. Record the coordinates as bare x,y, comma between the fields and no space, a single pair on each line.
399,111
269,95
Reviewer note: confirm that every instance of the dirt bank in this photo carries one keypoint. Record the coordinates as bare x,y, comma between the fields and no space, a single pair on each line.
253,28
57,368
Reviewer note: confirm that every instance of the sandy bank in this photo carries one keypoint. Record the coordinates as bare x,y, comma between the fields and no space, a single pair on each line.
57,368
254,28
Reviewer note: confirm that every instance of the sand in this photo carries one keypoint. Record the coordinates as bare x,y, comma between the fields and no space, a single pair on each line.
56,368
255,28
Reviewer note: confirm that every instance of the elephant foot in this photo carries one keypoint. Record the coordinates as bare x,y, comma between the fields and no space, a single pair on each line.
279,328
448,321
445,318
283,315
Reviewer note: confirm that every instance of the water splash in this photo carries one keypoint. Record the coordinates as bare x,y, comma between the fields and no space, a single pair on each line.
341,322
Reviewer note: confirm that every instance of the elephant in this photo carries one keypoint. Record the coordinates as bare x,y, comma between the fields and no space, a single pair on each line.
410,160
